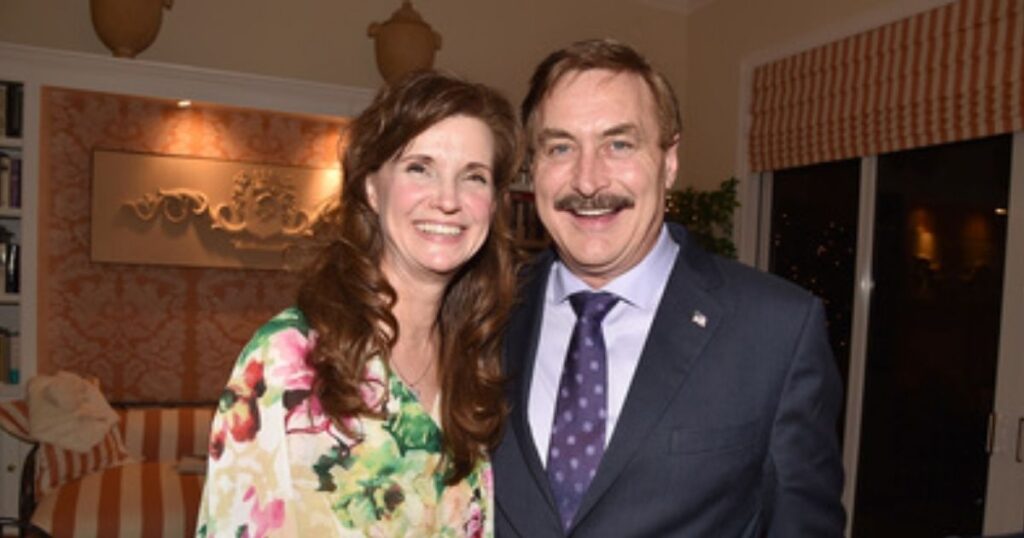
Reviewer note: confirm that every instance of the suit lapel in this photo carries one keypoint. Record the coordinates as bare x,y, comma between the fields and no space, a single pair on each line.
521,349
687,317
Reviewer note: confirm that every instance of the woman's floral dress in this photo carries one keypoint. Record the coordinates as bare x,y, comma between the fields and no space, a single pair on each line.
278,467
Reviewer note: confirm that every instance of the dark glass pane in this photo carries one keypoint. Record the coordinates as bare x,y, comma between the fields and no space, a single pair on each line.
814,240
933,339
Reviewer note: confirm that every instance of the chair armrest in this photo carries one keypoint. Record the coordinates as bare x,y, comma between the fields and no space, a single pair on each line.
27,492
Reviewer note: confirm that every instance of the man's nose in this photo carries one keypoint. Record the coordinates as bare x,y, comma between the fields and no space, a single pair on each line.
589,177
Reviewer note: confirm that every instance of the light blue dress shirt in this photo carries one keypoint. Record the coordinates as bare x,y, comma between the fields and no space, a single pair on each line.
625,332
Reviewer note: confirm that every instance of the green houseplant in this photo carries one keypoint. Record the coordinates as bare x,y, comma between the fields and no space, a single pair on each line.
707,215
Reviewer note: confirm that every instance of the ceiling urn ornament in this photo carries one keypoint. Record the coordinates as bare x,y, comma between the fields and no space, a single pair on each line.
127,27
403,43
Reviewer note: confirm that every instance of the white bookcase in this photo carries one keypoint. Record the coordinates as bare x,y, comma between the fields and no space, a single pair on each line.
18,309
12,455
18,224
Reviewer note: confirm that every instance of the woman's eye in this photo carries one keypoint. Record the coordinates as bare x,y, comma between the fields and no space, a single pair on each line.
479,178
415,168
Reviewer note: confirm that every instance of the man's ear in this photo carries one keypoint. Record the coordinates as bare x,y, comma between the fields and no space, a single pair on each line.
671,163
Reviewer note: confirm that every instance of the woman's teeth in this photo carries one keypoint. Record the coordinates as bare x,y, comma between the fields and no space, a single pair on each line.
439,229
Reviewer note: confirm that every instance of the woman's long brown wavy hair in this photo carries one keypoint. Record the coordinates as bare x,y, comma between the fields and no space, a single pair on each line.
347,300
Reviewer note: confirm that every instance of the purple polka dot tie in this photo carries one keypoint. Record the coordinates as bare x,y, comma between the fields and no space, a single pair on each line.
577,433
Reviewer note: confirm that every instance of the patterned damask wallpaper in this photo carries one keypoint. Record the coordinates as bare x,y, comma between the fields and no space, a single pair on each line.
153,333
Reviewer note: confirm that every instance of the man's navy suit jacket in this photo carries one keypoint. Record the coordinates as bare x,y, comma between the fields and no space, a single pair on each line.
728,429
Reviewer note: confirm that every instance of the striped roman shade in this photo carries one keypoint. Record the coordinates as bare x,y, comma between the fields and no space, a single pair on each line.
949,74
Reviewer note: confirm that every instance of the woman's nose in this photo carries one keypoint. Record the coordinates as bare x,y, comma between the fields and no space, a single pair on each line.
446,198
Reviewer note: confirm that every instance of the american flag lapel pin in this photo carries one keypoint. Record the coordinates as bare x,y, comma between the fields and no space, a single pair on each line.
699,319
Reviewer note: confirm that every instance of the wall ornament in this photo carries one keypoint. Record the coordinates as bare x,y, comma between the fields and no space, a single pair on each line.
262,214
191,211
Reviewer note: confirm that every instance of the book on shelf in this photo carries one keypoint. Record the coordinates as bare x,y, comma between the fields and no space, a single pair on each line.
5,239
5,364
10,179
6,168
10,254
12,268
525,222
14,192
14,373
14,100
3,108
10,356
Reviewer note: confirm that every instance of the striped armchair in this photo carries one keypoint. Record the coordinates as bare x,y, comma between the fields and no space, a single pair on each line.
149,485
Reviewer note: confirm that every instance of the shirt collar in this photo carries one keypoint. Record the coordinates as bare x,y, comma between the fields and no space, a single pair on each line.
640,286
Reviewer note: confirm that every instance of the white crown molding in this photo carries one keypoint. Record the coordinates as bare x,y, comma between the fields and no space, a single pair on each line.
685,7
154,79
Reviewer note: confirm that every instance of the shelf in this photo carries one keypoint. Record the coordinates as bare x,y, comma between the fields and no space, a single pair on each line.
10,212
9,298
10,143
11,392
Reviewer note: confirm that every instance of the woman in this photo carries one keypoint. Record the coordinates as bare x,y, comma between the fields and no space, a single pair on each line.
368,410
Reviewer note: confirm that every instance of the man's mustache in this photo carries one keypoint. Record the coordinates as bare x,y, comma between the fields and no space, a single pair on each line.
575,202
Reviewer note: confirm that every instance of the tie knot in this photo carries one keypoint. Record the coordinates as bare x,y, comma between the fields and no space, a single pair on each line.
592,306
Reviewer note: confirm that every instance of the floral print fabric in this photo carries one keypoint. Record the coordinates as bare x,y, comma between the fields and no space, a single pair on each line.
279,467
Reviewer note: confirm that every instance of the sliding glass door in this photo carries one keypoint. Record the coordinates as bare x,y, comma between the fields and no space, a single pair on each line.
814,244
939,254
922,366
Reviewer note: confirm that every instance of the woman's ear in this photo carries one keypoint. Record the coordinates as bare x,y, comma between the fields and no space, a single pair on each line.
371,191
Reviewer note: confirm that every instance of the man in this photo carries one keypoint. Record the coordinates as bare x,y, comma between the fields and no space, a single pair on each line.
685,394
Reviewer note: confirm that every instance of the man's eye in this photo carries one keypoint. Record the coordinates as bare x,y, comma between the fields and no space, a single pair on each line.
557,149
621,145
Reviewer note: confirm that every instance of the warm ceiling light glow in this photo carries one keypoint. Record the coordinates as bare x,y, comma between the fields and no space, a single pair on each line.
1000,211
184,103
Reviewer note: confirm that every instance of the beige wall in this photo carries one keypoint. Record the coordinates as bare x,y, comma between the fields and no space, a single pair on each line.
494,42
723,34
325,40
